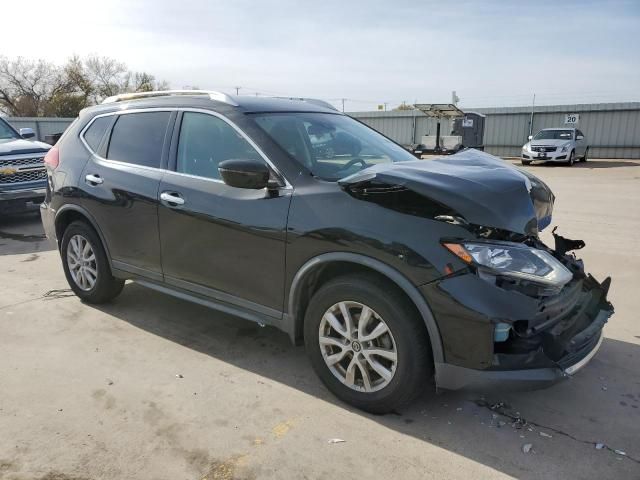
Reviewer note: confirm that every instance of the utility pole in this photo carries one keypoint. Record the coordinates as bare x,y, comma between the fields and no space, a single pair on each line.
237,90
454,98
533,106
343,104
385,106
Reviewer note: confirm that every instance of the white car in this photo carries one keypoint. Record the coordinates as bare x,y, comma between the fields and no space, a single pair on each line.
555,145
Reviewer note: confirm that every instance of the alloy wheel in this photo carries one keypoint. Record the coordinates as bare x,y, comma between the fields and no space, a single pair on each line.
81,260
358,346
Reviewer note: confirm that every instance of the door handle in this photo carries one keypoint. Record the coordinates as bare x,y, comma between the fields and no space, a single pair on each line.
172,199
94,179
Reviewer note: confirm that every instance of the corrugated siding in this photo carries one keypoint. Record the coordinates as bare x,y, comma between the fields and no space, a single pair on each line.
41,125
612,129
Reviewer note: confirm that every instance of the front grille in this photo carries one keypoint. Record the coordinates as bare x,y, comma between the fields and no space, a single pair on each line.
19,162
24,176
543,149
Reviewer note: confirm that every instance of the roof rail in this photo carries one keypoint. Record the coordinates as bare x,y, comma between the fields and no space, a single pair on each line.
217,96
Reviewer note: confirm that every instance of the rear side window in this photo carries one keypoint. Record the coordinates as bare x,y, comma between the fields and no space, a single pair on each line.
205,141
137,138
95,132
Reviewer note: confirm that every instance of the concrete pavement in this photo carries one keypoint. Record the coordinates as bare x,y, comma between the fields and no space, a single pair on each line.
151,387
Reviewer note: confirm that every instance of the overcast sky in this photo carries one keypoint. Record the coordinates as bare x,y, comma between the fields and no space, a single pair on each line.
370,52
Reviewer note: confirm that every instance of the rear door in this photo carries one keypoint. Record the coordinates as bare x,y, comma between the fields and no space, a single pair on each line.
121,183
223,242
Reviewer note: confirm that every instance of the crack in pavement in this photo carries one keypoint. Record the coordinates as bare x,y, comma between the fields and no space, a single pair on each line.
501,408
49,295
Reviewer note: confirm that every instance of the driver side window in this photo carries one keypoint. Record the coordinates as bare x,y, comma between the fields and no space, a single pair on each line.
205,141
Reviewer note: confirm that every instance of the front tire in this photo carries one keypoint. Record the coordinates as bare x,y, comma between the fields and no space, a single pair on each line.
86,265
571,160
526,162
367,343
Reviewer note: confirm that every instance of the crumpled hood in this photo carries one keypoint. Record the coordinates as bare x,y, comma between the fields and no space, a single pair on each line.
16,146
481,188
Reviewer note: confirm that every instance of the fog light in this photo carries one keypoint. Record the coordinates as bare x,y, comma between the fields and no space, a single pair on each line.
501,332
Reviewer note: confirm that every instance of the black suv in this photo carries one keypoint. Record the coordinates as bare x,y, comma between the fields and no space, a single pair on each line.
394,272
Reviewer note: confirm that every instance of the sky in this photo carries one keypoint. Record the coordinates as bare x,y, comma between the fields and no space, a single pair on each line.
491,52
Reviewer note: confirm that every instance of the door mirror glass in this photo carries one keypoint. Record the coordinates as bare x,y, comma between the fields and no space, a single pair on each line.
579,137
530,137
238,173
27,133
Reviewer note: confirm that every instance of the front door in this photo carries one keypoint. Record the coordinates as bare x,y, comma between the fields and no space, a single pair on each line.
219,241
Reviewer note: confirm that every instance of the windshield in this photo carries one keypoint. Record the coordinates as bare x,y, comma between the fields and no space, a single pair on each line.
331,146
6,132
554,135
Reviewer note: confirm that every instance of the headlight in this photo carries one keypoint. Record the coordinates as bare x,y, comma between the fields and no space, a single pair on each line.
513,260
526,147
565,148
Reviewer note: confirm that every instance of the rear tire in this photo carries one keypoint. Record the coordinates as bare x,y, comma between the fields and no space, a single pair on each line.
86,265
586,154
389,384
526,162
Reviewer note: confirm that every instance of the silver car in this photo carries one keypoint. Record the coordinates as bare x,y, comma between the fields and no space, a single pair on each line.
565,145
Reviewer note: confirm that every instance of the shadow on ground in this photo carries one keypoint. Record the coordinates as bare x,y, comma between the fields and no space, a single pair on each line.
590,164
22,234
601,404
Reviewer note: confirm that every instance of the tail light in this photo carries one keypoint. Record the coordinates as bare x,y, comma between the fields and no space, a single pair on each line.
52,158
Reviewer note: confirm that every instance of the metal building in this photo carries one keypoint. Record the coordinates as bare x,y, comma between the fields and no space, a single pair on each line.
612,129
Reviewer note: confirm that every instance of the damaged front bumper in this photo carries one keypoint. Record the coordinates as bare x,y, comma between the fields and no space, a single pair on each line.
550,338
453,377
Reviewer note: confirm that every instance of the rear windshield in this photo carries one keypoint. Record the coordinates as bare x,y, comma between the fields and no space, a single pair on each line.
6,132
554,135
331,146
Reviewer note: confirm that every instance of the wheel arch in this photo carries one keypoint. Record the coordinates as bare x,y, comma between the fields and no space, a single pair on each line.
69,213
343,262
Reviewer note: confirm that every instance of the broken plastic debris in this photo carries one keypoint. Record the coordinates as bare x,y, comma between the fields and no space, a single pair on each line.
336,440
599,446
620,452
179,375
526,448
604,388
543,434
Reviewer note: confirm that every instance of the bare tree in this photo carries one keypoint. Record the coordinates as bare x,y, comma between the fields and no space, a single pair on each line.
27,85
38,87
404,106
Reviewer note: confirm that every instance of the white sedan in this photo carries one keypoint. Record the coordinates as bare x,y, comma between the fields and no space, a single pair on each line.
556,145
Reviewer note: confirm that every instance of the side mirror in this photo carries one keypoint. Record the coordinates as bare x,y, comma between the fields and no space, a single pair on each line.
530,137
579,137
238,173
27,133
